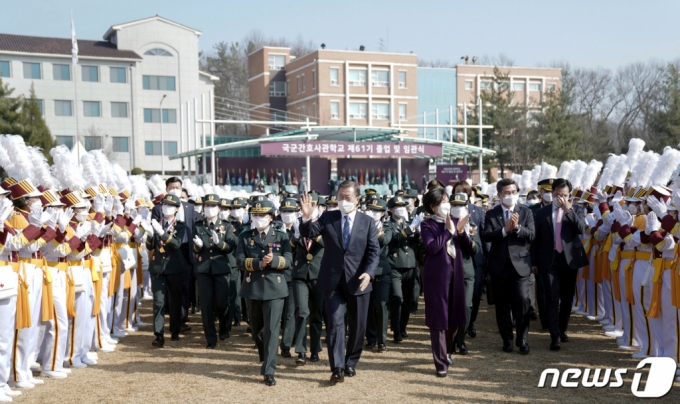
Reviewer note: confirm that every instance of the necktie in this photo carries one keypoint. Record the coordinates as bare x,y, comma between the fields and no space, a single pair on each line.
507,215
345,232
263,236
558,231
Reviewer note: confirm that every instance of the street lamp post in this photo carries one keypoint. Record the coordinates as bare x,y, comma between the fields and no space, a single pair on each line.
162,145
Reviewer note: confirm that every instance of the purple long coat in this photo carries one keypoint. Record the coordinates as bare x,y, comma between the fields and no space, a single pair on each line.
443,278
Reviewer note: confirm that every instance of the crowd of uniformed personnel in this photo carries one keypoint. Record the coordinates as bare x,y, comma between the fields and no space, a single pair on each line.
83,244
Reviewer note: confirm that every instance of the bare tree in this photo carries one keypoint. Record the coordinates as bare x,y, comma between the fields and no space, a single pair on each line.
502,60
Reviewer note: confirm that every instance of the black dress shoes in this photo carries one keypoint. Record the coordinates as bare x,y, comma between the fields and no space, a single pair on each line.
174,337
507,346
158,342
337,376
350,371
237,323
314,357
301,359
404,334
523,347
285,353
224,336
555,344
564,337
397,337
269,380
462,348
442,374
382,348
472,331
370,345
185,329
211,345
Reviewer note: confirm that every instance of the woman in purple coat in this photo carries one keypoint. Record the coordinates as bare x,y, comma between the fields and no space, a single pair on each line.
443,277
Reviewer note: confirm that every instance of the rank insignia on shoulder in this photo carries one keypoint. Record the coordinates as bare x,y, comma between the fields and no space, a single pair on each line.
252,242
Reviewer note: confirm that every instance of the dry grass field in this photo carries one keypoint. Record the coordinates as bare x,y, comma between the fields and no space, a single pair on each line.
185,372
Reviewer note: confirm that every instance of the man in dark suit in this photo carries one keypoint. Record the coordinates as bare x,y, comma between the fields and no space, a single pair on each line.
351,255
509,227
186,214
557,253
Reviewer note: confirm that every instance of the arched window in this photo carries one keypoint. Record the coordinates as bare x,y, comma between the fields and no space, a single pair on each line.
158,52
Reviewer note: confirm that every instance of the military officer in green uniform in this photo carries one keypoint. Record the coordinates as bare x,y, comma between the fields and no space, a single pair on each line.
322,205
234,310
402,257
289,223
167,268
264,253
213,241
332,202
236,217
376,326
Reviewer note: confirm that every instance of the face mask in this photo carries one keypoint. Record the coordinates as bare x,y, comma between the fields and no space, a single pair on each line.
169,210
321,209
332,208
632,209
224,214
532,201
198,208
459,211
211,211
547,197
184,199
472,199
315,214
346,207
288,217
401,213
82,216
37,204
237,213
374,214
261,222
510,200
176,192
444,209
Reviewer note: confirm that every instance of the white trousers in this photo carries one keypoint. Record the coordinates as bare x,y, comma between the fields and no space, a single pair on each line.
119,313
594,290
130,301
81,327
8,310
616,314
643,297
147,284
55,331
580,295
27,338
102,325
627,314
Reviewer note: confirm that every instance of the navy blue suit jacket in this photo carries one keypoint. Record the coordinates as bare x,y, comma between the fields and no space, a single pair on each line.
189,220
362,254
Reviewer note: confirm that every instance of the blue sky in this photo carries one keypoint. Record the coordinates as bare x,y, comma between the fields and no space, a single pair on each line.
594,33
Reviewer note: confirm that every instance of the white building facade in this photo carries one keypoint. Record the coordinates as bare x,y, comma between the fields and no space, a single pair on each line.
112,99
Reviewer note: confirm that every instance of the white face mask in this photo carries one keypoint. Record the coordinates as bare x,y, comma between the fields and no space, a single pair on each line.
198,208
332,208
288,217
224,214
443,209
459,211
261,222
176,192
37,204
510,200
401,212
315,214
374,214
632,209
346,207
532,201
211,211
547,197
363,208
82,216
169,210
472,199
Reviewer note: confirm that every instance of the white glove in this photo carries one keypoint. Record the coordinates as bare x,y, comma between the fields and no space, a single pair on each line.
415,224
609,219
46,215
117,207
147,227
83,230
601,197
379,225
108,204
198,241
590,220
6,209
617,197
104,230
157,227
129,205
65,218
52,221
137,219
597,213
246,217
658,207
143,211
652,223
98,203
626,218
676,199
35,217
296,229
215,237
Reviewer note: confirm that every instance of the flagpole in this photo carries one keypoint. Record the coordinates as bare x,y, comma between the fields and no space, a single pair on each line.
74,60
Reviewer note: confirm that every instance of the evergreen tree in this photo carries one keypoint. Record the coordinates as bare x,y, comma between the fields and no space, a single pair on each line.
10,111
36,132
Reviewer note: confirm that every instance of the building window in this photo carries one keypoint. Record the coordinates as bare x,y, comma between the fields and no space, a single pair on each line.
335,110
32,71
314,79
63,108
120,144
534,86
152,115
380,110
468,84
402,79
91,108
357,110
277,116
119,110
157,52
357,77
334,76
90,73
61,72
153,148
287,88
277,88
298,84
313,112
303,82
65,140
277,62
93,142
551,86
518,86
380,78
485,85
402,112
158,83
4,68
118,75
